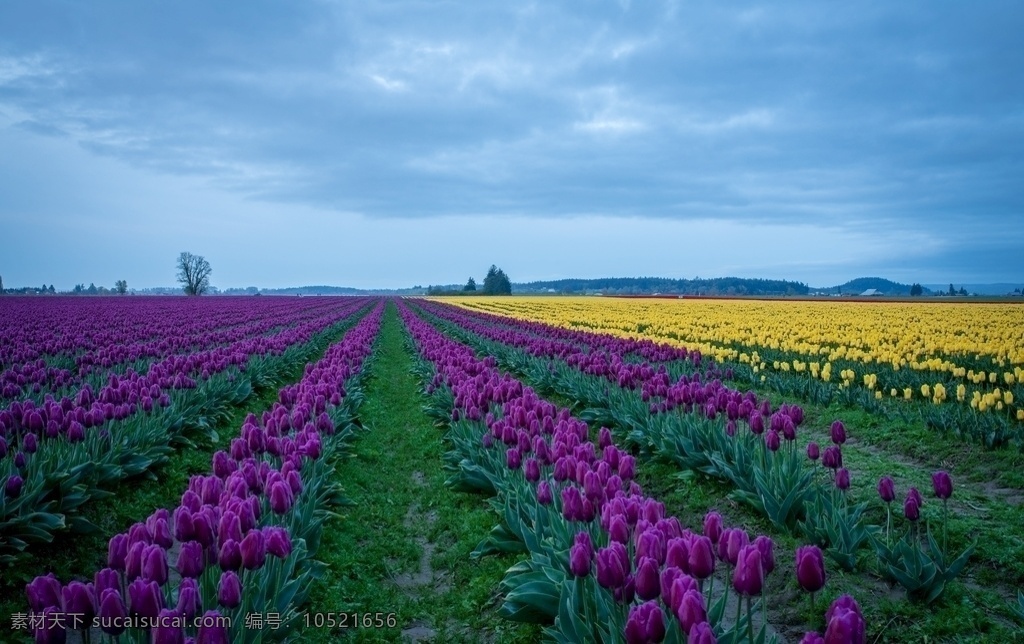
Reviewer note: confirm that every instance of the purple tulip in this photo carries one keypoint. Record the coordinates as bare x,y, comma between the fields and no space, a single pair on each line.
732,541
280,498
167,629
756,423
677,553
254,550
580,556
911,508
810,568
211,630
618,529
838,432
190,601
532,470
845,622
813,451
154,564
112,612
832,458
29,443
48,629
713,526
229,590
612,565
104,579
43,591
647,579
772,441
691,610
887,489
913,492
145,598
942,484
190,559
702,558
766,548
702,634
279,544
544,493
646,623
748,578
81,599
230,556
812,637
13,486
843,479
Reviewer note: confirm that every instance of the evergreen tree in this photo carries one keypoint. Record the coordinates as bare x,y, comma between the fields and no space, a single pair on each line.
916,289
496,282
470,285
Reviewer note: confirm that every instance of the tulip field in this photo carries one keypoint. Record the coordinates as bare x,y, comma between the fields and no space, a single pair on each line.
510,470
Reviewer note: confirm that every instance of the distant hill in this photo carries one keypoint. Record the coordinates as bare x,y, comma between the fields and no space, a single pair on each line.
664,286
998,288
861,284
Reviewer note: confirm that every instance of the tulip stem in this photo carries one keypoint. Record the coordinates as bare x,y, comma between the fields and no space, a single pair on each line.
945,529
739,607
888,523
750,619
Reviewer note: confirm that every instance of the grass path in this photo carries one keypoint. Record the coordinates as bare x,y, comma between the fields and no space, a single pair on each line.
403,548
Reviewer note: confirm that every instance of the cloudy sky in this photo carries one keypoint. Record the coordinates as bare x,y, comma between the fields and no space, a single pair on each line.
386,144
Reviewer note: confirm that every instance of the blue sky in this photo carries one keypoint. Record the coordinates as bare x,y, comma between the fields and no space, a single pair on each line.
386,144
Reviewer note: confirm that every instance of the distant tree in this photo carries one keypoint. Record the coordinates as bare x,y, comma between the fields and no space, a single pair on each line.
470,285
79,289
53,290
916,289
1,285
962,291
496,282
952,291
92,289
193,273
121,286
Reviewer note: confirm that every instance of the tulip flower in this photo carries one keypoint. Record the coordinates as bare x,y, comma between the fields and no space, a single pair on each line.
104,579
886,489
544,493
580,558
154,564
942,484
189,598
112,612
843,479
230,556
691,611
80,599
254,550
646,623
211,630
647,579
772,440
911,508
702,558
812,638
48,628
832,458
845,622
612,565
748,577
810,569
229,590
190,559
732,541
702,633
13,486
279,544
168,630
838,432
145,598
766,548
43,591
813,451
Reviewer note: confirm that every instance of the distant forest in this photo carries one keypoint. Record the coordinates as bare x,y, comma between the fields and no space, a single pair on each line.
666,286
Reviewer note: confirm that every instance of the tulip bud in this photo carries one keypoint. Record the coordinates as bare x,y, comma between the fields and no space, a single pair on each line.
748,577
810,568
48,628
691,611
280,498
843,479
646,623
544,493
887,489
580,560
254,550
211,630
911,509
43,591
104,579
772,440
230,555
145,598
279,544
13,486
702,558
766,548
167,629
942,484
812,638
112,612
702,634
838,432
229,590
154,564
190,559
832,458
647,579
845,622
612,565
190,601
713,526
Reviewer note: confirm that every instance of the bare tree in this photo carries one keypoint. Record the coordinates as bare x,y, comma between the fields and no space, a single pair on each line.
193,273
121,286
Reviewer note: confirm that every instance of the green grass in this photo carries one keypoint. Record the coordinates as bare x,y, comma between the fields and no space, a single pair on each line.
402,508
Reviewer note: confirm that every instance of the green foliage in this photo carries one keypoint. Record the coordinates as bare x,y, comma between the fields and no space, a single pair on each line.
496,282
